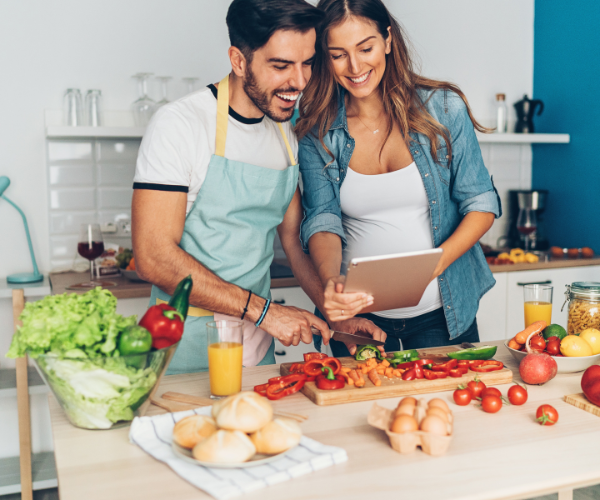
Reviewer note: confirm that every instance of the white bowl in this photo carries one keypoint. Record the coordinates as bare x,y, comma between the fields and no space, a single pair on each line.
564,364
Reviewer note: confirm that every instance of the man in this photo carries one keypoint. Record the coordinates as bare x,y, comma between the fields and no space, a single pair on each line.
216,176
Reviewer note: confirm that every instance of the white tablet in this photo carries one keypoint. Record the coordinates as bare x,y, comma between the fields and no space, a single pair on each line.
394,281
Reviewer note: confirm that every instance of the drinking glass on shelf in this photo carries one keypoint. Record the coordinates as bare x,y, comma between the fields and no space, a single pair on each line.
73,109
90,246
538,303
225,352
143,108
163,82
190,82
93,108
526,225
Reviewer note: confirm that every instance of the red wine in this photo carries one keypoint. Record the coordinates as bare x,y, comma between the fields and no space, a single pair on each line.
526,230
90,253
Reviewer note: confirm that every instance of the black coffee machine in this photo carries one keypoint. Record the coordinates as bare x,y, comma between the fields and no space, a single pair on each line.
525,109
526,199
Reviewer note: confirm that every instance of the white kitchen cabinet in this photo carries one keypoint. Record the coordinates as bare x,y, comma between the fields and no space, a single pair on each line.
293,296
558,278
491,316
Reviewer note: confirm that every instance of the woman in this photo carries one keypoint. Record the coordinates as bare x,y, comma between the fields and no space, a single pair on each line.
390,163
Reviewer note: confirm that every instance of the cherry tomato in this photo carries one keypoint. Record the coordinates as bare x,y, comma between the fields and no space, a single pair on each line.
553,346
546,415
538,343
491,404
476,387
462,397
517,395
491,391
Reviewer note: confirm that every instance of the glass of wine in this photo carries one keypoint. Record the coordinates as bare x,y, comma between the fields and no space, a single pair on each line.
90,246
526,225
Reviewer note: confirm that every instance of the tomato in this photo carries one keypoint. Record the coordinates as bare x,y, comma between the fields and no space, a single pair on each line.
546,415
476,387
537,343
462,396
553,346
491,391
517,395
491,404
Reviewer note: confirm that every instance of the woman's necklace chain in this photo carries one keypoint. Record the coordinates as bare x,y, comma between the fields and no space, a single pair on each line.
373,131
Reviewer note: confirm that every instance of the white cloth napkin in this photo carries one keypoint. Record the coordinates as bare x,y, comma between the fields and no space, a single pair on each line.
153,435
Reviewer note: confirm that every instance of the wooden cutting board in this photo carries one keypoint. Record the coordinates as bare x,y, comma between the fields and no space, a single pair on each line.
580,401
396,387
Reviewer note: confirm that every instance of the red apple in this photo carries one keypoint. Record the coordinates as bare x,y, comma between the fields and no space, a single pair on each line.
590,383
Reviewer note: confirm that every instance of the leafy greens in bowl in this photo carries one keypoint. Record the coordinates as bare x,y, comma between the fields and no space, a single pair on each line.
73,340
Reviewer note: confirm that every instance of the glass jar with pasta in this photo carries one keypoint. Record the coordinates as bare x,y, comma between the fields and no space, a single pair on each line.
584,306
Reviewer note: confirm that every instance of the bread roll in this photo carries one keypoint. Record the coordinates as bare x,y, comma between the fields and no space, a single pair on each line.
189,431
277,436
245,411
225,447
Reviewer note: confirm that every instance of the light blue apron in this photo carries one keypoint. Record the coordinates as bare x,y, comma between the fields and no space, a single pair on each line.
230,230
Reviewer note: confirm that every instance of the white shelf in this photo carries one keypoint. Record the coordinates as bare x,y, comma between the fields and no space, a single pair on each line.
43,473
524,138
63,132
39,289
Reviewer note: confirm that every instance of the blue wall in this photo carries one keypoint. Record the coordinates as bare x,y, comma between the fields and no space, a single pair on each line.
567,78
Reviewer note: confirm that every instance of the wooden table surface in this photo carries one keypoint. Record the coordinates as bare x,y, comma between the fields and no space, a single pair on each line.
503,455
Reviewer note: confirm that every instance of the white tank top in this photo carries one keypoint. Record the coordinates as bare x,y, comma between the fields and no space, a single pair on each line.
384,214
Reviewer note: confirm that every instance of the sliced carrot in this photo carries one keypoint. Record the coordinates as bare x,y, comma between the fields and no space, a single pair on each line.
345,369
385,363
374,377
371,362
389,372
398,372
347,377
365,369
356,376
359,366
536,327
379,369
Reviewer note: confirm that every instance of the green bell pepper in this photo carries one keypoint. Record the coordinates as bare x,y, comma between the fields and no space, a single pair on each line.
365,352
134,340
403,357
481,352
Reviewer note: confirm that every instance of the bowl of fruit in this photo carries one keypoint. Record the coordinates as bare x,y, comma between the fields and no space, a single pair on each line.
572,353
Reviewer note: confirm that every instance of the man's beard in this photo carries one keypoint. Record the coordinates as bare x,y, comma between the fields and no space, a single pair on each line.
261,98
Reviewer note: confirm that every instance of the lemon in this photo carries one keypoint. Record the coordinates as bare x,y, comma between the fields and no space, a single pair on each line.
592,337
573,346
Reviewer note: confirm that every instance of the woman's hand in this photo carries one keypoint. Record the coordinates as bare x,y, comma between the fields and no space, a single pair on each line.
360,326
339,306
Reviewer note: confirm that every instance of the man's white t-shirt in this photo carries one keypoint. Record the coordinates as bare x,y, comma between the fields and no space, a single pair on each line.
180,140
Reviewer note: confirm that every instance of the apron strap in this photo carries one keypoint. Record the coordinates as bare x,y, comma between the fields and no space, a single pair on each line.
223,121
222,116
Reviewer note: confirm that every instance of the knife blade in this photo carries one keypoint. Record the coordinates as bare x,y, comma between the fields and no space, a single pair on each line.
349,337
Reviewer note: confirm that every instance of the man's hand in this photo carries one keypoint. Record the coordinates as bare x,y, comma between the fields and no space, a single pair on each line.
339,306
360,326
290,325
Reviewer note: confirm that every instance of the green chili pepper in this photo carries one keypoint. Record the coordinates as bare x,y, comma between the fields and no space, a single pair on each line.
365,352
180,299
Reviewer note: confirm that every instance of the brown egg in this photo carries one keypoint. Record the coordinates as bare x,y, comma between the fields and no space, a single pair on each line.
434,425
573,253
440,403
437,411
587,253
407,409
408,400
404,423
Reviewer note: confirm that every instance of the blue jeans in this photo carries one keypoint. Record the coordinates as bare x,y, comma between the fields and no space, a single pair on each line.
427,330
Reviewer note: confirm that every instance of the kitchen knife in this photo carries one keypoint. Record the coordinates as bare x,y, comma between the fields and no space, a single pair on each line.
349,338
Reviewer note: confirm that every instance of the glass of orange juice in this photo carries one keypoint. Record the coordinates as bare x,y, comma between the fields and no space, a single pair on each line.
538,304
225,352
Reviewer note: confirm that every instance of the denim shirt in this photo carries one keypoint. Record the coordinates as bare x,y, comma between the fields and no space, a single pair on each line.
454,188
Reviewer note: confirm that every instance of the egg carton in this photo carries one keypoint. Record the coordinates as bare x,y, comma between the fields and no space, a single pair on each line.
432,444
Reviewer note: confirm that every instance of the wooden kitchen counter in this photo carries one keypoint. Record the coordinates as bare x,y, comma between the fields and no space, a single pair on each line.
552,264
504,455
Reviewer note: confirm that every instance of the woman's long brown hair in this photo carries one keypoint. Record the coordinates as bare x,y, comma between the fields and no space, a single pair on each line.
399,84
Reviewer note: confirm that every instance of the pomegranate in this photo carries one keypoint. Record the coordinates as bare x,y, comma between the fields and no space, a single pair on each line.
537,368
590,383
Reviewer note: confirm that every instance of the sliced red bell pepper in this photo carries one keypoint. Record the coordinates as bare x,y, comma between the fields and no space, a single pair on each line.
488,366
313,367
431,375
421,362
308,356
418,371
445,367
297,368
409,374
334,364
458,372
285,386
328,381
261,389
406,366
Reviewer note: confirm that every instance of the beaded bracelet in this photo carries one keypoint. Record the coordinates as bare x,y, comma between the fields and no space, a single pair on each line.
264,313
247,302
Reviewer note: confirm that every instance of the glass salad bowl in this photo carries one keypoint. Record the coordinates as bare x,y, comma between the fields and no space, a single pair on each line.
103,392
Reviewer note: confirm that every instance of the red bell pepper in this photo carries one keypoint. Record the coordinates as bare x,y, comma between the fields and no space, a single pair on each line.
285,386
297,368
421,362
489,365
445,367
409,374
432,375
328,381
418,371
308,356
164,323
333,363
261,389
313,367
458,372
